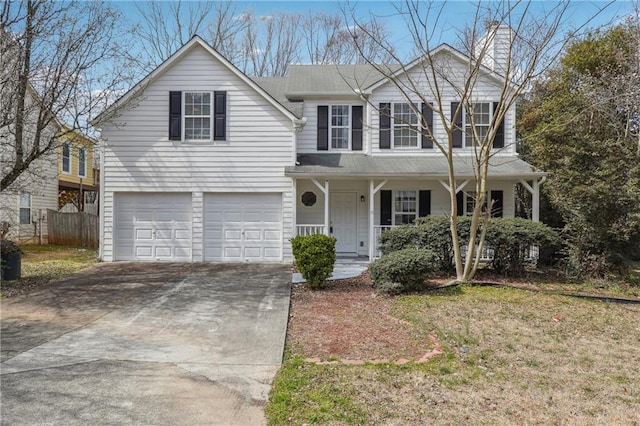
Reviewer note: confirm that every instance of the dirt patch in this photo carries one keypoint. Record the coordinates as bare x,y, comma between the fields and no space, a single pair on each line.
350,320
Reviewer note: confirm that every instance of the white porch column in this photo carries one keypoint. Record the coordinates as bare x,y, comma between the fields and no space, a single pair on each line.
535,201
326,207
294,212
325,191
373,190
371,220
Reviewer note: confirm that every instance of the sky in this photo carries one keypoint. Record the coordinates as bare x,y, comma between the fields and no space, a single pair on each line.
455,14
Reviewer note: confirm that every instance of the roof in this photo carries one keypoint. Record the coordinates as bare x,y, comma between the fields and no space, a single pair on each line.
195,41
277,88
332,79
360,165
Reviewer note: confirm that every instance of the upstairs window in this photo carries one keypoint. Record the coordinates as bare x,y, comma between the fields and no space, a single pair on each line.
197,115
340,128
82,162
405,126
481,119
25,208
66,158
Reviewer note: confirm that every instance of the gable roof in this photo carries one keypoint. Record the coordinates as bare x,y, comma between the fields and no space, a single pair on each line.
195,41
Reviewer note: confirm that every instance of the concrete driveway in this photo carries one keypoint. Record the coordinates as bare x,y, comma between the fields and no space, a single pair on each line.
131,343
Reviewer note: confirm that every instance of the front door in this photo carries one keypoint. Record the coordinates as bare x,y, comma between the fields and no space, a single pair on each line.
343,216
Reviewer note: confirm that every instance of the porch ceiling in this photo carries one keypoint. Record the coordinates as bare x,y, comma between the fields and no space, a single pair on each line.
360,165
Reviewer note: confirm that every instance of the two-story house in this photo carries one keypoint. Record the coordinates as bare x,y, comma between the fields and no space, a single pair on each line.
77,174
202,163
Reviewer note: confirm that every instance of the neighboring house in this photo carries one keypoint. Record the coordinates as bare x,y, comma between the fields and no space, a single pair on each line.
202,163
24,204
77,174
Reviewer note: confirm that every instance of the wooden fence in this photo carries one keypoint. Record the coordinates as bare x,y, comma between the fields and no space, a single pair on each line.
73,229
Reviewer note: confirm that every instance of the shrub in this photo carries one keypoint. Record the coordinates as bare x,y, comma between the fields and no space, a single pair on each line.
403,270
430,232
315,256
399,238
7,247
511,239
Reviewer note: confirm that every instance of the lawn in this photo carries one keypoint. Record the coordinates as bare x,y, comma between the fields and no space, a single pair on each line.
42,264
504,356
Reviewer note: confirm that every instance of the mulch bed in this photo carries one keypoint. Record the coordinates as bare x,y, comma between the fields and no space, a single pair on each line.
350,321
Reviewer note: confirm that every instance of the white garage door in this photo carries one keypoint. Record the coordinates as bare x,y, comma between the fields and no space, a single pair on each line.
153,227
243,227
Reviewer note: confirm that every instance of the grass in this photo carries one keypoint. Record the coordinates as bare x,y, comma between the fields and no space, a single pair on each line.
42,264
511,356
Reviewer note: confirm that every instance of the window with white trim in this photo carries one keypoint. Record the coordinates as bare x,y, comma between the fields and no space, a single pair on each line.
340,126
405,207
25,208
405,126
482,113
197,115
82,162
471,198
66,158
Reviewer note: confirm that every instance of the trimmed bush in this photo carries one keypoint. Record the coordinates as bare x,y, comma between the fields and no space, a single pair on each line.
511,239
403,270
315,256
400,238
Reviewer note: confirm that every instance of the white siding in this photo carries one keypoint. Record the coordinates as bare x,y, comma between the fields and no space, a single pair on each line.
42,184
139,157
485,90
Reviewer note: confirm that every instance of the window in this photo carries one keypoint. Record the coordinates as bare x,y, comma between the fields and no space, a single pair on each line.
404,207
340,127
197,116
405,126
66,158
82,162
471,198
309,199
25,208
481,118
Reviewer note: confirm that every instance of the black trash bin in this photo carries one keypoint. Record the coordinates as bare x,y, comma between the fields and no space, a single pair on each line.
11,266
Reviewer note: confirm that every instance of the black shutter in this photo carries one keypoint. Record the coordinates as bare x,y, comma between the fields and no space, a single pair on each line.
460,202
356,128
219,116
424,200
385,207
385,126
175,116
427,118
498,202
457,126
323,128
498,141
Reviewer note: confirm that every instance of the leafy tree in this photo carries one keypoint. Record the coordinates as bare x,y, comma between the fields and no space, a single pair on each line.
581,125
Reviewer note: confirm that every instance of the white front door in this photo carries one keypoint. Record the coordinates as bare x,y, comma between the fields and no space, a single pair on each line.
343,226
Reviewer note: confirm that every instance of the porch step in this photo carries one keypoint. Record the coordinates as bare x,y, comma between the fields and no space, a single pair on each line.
341,269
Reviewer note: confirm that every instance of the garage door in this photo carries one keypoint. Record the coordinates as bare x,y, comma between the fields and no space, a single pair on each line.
153,227
243,227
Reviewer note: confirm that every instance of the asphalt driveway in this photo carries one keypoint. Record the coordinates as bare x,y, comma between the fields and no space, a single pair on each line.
131,343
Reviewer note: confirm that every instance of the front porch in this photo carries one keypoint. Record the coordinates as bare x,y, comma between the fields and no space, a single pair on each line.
357,211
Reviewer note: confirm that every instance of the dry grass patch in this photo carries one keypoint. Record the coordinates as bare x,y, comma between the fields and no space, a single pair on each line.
511,356
42,264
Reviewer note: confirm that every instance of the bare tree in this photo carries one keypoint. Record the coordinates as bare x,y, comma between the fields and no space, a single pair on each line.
163,27
533,42
61,62
269,44
330,40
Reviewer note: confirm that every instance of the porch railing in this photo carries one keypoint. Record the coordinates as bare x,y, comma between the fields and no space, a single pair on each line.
377,231
309,229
